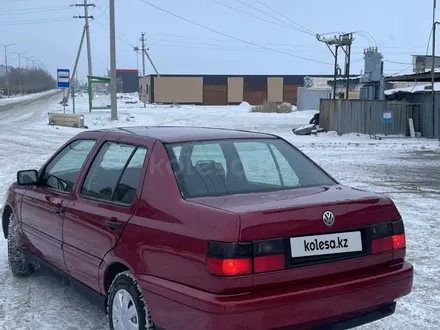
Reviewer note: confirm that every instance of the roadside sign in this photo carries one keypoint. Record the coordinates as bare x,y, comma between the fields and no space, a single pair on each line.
387,117
63,78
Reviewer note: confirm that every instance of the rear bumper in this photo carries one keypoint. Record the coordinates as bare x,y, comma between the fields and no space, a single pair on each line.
350,299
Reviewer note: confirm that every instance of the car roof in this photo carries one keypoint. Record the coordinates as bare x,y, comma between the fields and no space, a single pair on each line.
170,134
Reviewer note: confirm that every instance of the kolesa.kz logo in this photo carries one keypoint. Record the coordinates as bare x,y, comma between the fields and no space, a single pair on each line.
338,243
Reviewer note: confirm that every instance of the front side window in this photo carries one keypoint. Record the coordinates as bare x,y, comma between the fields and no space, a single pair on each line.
115,173
63,171
225,167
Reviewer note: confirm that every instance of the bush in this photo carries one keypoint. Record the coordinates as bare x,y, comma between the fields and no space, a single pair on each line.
273,107
285,108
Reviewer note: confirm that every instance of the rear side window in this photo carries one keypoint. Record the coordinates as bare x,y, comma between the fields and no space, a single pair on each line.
115,173
264,164
225,167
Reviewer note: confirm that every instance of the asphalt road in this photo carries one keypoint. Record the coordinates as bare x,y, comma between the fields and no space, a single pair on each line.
421,173
15,105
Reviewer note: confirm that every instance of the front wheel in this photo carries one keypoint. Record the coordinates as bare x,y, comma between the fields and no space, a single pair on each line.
126,306
19,264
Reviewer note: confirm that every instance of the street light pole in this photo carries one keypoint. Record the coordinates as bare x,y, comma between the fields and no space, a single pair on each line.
27,62
27,70
19,68
6,63
113,83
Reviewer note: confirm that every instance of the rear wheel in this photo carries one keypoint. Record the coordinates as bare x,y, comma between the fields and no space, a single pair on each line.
126,306
19,264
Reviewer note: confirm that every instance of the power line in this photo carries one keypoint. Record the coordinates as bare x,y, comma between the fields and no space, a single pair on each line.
394,62
232,37
284,16
286,47
104,10
249,14
276,18
427,51
367,36
27,11
35,21
399,72
106,3
121,37
309,46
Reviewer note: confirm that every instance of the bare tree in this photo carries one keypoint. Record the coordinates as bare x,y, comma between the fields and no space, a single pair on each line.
34,80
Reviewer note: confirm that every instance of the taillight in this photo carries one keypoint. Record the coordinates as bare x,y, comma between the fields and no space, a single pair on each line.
269,255
229,259
389,236
245,258
399,241
230,267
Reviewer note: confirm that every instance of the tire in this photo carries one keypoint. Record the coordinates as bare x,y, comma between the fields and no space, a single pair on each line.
18,263
125,285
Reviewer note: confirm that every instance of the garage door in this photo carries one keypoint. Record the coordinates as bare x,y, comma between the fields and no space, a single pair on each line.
255,97
290,93
215,94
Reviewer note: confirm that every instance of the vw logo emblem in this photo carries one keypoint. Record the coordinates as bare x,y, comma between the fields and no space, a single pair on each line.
328,218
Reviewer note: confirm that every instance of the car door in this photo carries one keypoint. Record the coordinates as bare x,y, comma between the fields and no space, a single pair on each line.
104,202
42,208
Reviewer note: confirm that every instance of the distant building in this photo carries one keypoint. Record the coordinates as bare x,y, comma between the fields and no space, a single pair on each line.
128,80
354,87
222,89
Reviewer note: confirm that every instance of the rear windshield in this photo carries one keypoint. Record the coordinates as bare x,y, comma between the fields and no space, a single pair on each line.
225,167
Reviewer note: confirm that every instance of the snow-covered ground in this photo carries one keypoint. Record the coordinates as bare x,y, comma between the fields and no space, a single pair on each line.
131,112
403,168
21,98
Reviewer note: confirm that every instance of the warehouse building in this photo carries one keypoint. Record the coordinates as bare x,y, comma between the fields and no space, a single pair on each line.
221,89
128,80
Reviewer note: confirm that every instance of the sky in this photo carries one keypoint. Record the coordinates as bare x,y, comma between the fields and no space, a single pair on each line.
217,36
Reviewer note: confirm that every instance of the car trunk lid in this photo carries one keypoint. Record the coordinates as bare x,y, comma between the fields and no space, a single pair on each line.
311,246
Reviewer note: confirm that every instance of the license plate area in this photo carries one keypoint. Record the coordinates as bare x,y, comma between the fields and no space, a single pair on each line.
317,253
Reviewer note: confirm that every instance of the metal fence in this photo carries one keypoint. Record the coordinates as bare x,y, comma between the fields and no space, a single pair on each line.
378,117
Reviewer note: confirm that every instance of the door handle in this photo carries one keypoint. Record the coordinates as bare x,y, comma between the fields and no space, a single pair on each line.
113,224
58,210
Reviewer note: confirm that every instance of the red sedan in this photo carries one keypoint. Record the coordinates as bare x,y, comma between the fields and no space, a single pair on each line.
201,228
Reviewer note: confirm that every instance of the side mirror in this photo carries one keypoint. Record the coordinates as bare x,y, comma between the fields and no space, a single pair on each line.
27,178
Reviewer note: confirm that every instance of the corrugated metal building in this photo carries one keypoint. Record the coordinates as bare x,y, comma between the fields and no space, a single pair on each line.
221,89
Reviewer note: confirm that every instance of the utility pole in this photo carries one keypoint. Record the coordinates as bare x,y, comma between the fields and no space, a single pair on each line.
343,41
347,40
136,49
86,17
113,82
434,114
143,54
86,33
144,51
21,73
87,27
7,69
